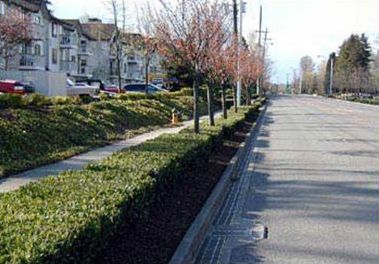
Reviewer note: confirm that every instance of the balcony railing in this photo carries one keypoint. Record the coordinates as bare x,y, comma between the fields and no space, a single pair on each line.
31,62
68,41
68,66
28,60
83,50
132,60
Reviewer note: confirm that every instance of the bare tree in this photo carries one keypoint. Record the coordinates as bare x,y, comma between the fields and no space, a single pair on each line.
15,30
184,36
307,74
118,11
148,42
217,59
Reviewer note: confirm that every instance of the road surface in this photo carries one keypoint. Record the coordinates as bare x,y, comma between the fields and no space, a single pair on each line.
310,186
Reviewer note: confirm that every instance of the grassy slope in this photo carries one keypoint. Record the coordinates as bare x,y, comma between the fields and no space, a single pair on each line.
33,136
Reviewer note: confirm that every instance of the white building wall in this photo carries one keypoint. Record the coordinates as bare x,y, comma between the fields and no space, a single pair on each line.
46,83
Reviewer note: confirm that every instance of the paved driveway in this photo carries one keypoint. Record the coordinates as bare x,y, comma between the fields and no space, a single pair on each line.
312,180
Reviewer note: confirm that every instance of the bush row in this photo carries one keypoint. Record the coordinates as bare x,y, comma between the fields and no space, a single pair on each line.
67,219
39,135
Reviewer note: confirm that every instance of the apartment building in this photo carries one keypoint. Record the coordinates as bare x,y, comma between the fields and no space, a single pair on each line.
44,51
81,50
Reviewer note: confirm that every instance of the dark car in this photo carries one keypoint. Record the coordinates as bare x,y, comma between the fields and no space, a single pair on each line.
140,88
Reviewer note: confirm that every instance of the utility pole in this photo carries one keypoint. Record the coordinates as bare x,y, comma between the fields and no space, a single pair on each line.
235,21
331,74
259,47
239,88
264,54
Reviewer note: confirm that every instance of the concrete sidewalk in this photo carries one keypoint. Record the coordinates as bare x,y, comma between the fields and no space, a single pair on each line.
80,161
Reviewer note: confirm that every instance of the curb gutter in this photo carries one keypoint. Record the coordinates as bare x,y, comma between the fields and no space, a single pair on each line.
187,250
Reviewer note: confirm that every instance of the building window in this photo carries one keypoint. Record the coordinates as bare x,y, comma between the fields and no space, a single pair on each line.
73,58
2,9
83,63
55,56
83,70
54,30
37,50
37,20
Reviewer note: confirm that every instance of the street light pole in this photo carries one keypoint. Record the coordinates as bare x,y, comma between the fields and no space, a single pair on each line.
242,10
259,47
331,74
236,40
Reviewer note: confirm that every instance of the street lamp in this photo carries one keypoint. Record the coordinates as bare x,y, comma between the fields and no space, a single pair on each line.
331,74
238,35
242,10
332,62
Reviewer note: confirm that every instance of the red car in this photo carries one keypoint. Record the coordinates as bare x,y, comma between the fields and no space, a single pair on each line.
112,89
15,87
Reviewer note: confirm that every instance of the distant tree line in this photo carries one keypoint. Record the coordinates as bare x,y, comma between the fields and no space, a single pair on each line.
355,70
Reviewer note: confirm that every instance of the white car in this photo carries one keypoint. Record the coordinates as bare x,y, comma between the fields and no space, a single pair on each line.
81,89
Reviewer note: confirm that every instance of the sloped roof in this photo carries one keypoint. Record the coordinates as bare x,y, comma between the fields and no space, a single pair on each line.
28,5
98,31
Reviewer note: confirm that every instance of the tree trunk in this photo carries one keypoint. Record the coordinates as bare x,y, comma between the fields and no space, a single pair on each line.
6,63
118,61
146,76
235,99
210,104
248,95
223,102
196,116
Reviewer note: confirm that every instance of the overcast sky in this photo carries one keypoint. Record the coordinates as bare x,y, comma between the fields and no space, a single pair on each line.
297,27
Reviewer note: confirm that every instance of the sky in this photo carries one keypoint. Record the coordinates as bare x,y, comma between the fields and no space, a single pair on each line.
296,27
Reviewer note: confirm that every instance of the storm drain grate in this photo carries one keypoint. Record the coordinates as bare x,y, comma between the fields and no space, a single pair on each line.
259,232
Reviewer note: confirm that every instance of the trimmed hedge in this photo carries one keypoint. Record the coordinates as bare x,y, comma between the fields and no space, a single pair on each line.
66,219
39,133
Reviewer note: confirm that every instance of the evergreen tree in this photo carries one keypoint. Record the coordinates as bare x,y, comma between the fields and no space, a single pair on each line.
352,65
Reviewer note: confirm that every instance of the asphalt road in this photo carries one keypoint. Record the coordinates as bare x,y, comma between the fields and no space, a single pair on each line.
313,181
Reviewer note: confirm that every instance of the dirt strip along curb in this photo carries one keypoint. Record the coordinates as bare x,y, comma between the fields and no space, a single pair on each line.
190,245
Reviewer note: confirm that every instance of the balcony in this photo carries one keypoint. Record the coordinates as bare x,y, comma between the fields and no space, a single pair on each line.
132,60
134,76
68,42
30,63
69,67
83,50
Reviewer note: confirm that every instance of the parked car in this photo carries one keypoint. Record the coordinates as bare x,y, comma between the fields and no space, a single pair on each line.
15,87
140,88
81,89
159,82
112,88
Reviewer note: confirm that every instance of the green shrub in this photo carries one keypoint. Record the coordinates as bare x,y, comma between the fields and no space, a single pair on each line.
65,100
11,101
37,100
67,219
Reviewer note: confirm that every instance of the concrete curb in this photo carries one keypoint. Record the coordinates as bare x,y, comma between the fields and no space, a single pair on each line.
349,102
187,250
